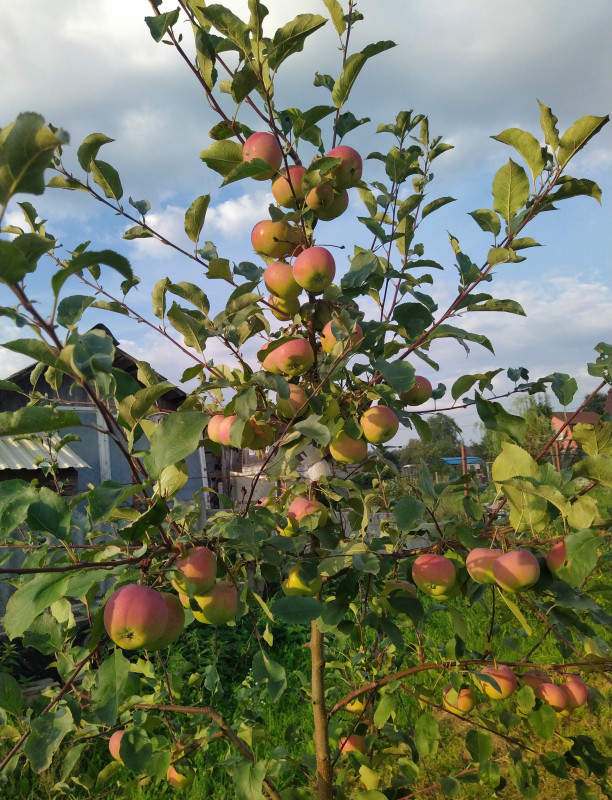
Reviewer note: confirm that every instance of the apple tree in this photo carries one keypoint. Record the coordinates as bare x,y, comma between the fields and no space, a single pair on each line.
321,347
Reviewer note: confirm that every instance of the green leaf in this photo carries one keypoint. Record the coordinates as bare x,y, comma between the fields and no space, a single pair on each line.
363,265
105,497
496,418
510,190
159,24
175,438
336,13
489,773
487,220
351,69
46,735
248,779
107,179
408,513
555,764
190,324
222,157
577,135
517,613
135,749
426,735
297,610
548,123
50,515
564,388
581,556
465,383
313,430
195,216
435,205
36,419
398,374
595,468
89,259
413,317
25,153
228,24
13,264
89,147
384,709
595,440
71,309
139,405
31,599
460,335
449,786
272,674
527,145
10,694
290,38
111,678
543,721
575,187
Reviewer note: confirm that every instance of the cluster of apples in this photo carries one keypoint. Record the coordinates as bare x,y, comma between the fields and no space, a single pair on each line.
139,617
563,697
179,780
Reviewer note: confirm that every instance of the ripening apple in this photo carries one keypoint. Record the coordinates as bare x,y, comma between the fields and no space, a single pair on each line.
479,564
555,558
348,173
283,309
379,424
293,357
265,147
219,605
328,340
505,679
314,269
434,574
114,744
287,407
347,450
288,192
354,742
332,411
275,239
212,429
419,394
295,586
175,624
534,678
516,570
196,571
320,197
461,702
553,695
135,616
180,780
576,690
334,209
395,585
268,361
279,280
302,507
224,430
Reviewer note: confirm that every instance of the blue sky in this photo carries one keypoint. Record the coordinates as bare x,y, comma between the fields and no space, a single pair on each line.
473,66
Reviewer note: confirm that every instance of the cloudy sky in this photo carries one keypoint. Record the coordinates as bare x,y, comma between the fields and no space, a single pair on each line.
475,67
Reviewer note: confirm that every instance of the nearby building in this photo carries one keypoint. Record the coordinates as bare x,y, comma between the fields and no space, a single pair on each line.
566,443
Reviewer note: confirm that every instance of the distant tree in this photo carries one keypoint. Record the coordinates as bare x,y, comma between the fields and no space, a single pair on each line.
445,442
536,413
596,403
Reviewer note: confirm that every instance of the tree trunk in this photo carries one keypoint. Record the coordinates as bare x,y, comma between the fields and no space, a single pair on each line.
319,712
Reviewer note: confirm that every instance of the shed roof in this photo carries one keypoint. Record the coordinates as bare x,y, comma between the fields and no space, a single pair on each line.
16,453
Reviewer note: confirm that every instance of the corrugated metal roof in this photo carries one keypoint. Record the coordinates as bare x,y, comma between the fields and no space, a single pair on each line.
20,454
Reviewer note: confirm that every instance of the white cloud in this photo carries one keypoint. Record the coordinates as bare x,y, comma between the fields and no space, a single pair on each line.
237,217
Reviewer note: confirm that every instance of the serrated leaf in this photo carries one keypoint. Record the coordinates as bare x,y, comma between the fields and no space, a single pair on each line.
137,232
398,374
268,672
527,145
496,418
159,24
581,556
351,69
46,735
195,215
564,388
577,135
36,419
548,123
31,599
434,205
290,38
510,190
336,13
575,187
223,156
107,178
487,220
460,335
596,439
596,468
111,678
